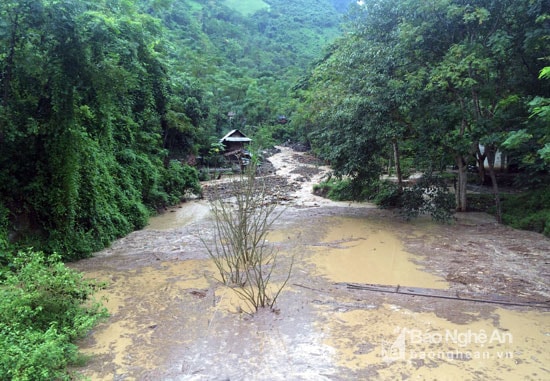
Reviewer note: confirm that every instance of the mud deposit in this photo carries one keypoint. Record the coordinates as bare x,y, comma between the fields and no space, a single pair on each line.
171,320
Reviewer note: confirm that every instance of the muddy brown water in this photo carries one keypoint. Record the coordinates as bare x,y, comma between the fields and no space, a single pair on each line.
180,216
171,320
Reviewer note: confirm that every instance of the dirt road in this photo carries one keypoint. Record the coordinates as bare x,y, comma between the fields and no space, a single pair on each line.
171,320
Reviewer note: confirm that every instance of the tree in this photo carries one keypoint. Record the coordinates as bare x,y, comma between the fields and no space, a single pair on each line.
531,144
244,259
480,70
81,159
439,76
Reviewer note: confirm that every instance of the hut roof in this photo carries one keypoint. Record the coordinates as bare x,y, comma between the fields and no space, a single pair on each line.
235,136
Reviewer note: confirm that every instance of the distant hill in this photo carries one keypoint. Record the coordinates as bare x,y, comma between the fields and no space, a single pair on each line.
342,5
248,53
246,7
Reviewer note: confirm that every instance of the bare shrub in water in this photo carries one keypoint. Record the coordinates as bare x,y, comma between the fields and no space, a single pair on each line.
243,257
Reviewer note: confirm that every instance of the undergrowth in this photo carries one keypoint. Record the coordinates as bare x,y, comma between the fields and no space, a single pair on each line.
428,196
44,308
529,210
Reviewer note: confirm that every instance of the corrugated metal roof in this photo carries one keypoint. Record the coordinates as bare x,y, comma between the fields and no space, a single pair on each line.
229,138
237,139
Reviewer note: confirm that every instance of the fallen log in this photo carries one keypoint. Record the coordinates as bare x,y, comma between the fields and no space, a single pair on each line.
450,295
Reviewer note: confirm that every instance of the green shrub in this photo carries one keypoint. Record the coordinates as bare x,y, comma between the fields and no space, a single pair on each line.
387,195
481,202
263,138
529,210
178,179
204,175
335,189
538,222
407,166
4,239
322,189
342,190
44,307
429,195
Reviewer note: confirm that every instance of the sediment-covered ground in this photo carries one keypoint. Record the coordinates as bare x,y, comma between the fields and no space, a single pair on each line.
171,320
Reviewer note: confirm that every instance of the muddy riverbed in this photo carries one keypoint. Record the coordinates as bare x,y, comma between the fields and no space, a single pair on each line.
171,320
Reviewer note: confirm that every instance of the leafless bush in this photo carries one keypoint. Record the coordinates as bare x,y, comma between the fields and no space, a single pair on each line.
245,260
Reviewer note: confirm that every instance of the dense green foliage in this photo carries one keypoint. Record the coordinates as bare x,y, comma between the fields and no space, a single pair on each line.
430,195
248,65
338,190
102,103
428,82
85,99
44,306
528,210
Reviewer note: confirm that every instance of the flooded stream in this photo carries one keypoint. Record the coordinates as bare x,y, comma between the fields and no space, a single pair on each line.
172,320
399,344
358,251
177,217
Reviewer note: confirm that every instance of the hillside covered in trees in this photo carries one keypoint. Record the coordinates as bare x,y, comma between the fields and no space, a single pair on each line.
104,103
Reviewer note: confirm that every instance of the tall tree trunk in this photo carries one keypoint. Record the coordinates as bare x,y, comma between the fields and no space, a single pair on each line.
390,165
397,164
462,179
491,154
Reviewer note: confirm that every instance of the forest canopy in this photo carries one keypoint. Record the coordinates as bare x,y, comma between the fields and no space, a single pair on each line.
431,85
105,104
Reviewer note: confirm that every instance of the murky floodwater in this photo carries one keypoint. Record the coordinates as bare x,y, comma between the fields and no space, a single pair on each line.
182,215
144,303
173,321
359,251
391,340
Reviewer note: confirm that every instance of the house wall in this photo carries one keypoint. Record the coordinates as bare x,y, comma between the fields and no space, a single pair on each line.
500,159
232,146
